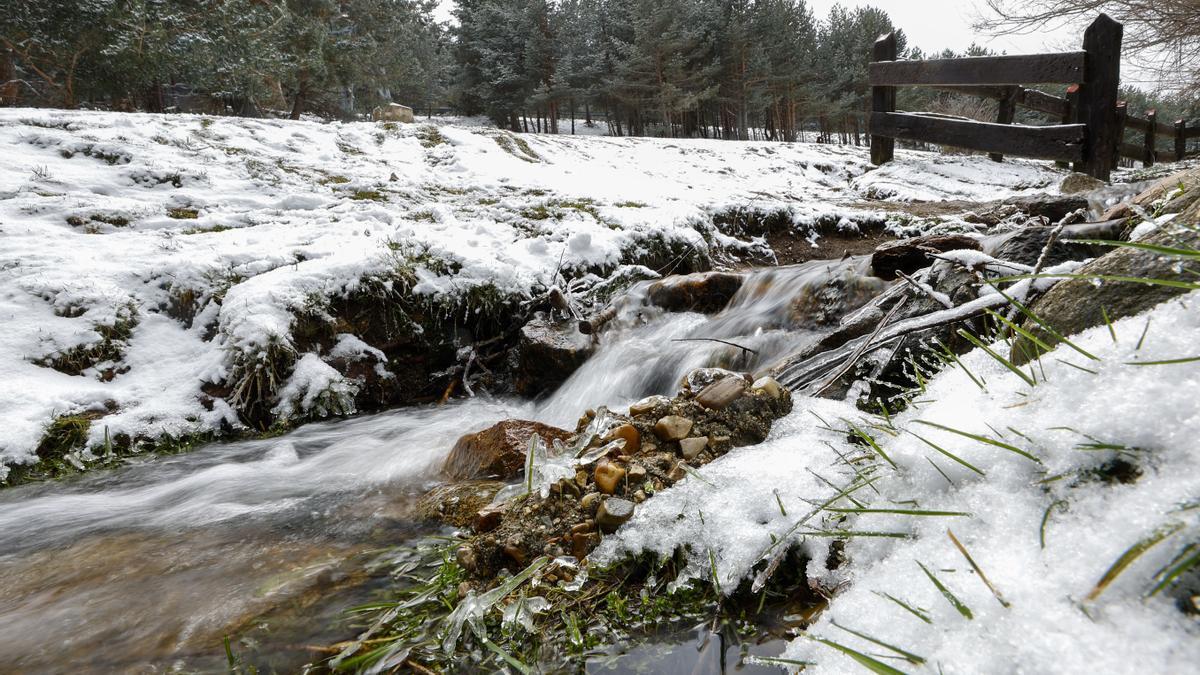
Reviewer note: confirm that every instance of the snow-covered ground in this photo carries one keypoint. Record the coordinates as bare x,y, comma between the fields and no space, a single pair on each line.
143,256
1094,464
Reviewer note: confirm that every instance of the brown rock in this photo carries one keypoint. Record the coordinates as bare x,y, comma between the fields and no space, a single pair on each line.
629,434
705,292
608,476
719,394
614,512
673,428
498,451
677,473
649,405
637,473
489,518
910,255
457,503
548,352
589,502
582,544
692,447
769,386
513,550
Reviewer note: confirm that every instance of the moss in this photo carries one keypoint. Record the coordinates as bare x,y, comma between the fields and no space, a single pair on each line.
334,180
206,230
630,205
183,214
517,147
369,195
114,220
430,136
109,348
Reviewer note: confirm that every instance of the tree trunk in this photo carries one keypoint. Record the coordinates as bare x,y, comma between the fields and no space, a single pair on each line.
301,95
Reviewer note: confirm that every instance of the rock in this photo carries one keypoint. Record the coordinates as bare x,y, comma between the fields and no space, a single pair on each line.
637,474
457,504
649,405
673,428
700,378
548,352
677,473
1075,305
629,434
910,255
582,544
1051,207
719,394
1078,183
608,476
1025,247
692,447
704,292
639,496
513,549
589,502
489,518
769,386
825,303
614,512
465,556
498,451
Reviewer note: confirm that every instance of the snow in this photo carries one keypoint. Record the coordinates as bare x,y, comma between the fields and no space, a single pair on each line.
209,236
1072,423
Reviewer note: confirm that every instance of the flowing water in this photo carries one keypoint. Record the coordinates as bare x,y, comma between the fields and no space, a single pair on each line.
147,568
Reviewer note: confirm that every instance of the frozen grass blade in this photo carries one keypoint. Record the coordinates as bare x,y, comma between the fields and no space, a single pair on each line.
919,613
1086,370
999,359
850,534
950,597
1169,362
871,664
954,357
1108,322
1061,505
939,470
870,440
779,501
1130,556
1142,339
1152,248
975,566
508,658
1018,330
1177,568
903,512
908,656
778,661
982,439
947,453
830,484
1058,337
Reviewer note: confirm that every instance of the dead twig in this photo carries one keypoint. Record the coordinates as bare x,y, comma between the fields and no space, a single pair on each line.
724,342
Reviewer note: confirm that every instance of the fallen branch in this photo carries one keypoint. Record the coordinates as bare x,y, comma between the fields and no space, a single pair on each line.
724,342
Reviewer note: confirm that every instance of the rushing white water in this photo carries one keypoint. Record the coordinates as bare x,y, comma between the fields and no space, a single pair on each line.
156,562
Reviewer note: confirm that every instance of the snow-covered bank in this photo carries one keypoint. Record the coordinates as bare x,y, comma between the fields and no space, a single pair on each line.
153,267
1046,487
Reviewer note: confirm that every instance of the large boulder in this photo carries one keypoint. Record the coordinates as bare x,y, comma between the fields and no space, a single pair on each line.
1025,246
498,451
910,255
1080,183
548,352
1075,305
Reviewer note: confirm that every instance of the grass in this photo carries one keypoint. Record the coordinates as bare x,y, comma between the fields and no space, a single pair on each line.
183,214
368,195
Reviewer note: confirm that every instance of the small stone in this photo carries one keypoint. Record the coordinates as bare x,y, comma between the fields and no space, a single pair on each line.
639,496
582,528
649,405
464,588
637,473
719,394
608,476
513,550
692,447
614,512
677,473
489,518
673,428
465,556
582,544
629,434
581,478
768,386
589,502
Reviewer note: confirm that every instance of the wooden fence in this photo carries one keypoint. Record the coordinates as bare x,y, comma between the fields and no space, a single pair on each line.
1091,135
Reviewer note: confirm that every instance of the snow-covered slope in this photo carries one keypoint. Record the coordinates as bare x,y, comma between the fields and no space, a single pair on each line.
1076,498
143,256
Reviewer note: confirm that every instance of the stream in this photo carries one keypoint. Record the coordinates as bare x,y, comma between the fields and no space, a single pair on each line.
148,568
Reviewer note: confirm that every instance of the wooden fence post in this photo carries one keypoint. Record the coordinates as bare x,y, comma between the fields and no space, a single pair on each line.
1180,140
883,99
1122,120
1069,115
1098,97
1151,137
1006,113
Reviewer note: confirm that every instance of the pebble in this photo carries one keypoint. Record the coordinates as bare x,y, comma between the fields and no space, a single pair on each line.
608,476
649,405
637,474
590,501
769,386
465,556
639,496
614,512
629,434
719,394
692,447
581,479
582,528
515,552
673,428
677,473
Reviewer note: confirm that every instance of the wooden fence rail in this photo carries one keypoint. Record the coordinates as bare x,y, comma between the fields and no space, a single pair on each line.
1091,135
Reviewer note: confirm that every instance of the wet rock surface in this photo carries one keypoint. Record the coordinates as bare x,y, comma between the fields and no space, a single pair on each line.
672,434
547,353
705,292
498,451
1074,305
1025,247
1180,190
910,255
